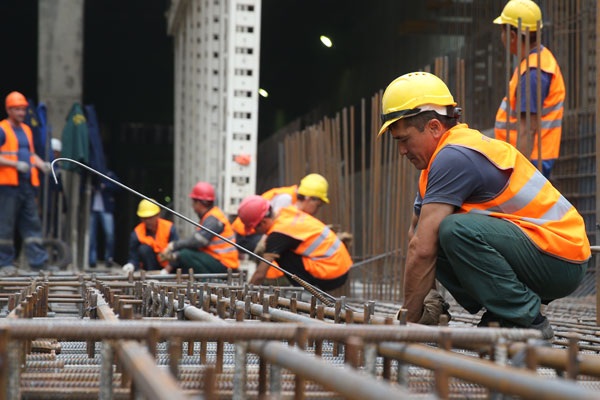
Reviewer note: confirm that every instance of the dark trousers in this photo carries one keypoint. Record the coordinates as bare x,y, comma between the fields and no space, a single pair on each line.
489,262
201,262
292,263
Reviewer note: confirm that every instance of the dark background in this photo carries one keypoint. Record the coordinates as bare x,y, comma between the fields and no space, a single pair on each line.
128,73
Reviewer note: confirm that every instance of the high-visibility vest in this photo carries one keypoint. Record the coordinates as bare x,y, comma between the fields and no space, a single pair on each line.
552,107
324,256
9,175
217,248
159,242
238,225
529,200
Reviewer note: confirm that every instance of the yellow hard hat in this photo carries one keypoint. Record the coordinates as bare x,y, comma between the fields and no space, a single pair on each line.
527,10
314,185
403,97
147,209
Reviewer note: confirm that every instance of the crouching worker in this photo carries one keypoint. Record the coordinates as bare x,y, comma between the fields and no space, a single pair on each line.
205,252
149,238
487,224
298,243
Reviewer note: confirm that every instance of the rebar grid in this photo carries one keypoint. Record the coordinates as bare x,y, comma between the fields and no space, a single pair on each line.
258,341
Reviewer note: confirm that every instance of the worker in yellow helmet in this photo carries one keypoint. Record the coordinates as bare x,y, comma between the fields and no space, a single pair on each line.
149,239
489,226
552,88
298,242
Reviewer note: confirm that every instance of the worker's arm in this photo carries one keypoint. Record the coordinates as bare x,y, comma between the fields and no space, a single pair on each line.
413,226
261,270
525,141
419,275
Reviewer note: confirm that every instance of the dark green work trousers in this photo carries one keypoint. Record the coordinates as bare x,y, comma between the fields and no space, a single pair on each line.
489,262
201,262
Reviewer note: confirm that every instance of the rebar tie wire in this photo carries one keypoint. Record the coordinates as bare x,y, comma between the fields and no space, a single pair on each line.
325,297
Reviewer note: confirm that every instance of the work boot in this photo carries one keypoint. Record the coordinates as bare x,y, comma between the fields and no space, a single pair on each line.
489,319
8,270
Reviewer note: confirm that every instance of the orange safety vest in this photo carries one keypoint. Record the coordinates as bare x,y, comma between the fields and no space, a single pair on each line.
552,108
9,175
238,225
324,256
217,248
529,200
160,240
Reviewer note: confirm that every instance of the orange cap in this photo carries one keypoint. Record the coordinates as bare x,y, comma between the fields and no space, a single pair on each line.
16,99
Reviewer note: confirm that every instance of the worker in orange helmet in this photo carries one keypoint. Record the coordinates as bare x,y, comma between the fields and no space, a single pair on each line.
19,182
298,243
149,238
552,89
205,252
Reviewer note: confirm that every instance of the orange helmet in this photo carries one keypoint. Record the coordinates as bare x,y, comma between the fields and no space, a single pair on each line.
252,210
203,191
16,99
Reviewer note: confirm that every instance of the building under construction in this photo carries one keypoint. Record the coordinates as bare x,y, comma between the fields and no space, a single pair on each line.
84,333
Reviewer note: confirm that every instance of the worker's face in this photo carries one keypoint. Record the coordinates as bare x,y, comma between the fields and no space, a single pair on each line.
509,39
311,205
263,226
417,146
151,223
16,114
198,207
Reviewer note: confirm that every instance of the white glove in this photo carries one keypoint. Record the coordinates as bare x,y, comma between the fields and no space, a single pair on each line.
129,267
164,272
170,247
22,167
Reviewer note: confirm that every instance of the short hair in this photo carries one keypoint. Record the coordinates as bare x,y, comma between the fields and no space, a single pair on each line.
419,120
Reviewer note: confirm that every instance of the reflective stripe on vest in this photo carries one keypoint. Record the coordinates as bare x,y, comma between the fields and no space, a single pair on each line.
322,254
529,200
159,242
552,107
9,175
226,253
238,225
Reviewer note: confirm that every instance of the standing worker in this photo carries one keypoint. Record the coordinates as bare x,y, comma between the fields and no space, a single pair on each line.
103,208
490,227
203,251
149,238
551,82
19,181
301,244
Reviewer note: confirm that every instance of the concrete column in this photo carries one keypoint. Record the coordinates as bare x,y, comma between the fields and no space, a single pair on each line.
60,58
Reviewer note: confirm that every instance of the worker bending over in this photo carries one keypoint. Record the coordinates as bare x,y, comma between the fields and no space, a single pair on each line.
205,252
298,243
490,226
149,238
551,81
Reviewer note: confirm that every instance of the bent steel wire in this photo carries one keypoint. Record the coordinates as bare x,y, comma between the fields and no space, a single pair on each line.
325,297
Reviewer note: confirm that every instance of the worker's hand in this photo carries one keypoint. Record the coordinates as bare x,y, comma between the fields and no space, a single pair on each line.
45,167
434,306
129,267
164,271
346,238
261,246
22,167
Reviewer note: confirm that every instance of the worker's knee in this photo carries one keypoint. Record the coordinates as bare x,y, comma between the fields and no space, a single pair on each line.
453,228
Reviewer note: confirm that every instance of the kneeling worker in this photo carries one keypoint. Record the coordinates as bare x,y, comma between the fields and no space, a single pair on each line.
149,238
301,244
203,251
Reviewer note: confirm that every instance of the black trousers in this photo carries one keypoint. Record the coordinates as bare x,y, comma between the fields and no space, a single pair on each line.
292,263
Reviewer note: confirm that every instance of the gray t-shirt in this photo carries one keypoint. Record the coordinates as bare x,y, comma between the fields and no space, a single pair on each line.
461,175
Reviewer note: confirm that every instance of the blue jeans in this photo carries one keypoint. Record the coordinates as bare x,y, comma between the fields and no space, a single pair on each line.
106,221
19,210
